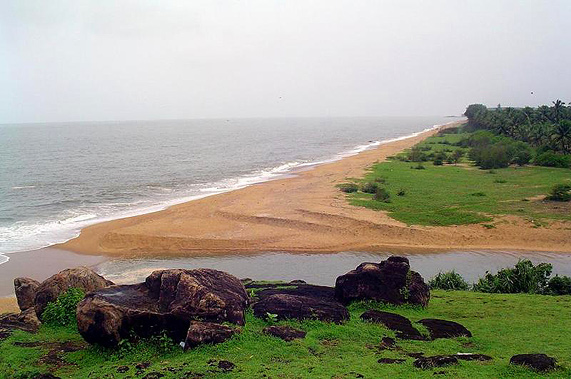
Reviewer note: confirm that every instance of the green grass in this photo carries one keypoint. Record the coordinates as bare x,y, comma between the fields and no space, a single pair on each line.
502,325
463,194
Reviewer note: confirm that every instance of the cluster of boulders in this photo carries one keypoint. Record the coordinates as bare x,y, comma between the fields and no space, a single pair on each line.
208,306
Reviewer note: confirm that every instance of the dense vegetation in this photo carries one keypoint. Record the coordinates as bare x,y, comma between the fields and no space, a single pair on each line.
525,277
339,351
540,134
418,192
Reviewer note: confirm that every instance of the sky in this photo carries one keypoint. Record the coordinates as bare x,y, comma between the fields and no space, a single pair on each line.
98,60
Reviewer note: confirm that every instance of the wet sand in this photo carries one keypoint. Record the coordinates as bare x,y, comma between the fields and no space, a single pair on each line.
304,213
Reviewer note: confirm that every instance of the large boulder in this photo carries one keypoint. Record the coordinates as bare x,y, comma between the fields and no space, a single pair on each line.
80,277
391,281
167,301
538,362
286,306
25,289
444,328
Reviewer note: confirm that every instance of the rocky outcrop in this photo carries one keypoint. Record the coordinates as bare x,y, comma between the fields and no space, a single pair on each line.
286,333
390,281
393,321
538,362
25,289
167,301
25,320
286,306
435,361
444,329
80,277
207,333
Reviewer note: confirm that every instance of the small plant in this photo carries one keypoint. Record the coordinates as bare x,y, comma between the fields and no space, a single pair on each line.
348,187
479,194
559,285
500,181
419,166
382,195
489,226
370,187
401,192
271,317
450,281
439,158
560,192
62,311
380,180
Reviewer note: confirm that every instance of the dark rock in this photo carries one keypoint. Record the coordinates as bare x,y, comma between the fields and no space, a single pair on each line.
142,365
286,333
25,289
226,366
298,281
200,332
390,281
415,355
307,290
393,321
390,360
26,321
444,329
473,357
387,343
167,301
538,362
122,369
79,277
435,361
287,306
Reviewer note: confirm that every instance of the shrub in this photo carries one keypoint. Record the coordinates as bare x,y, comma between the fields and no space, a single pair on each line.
439,158
522,153
62,311
523,278
560,192
416,155
559,285
401,192
491,156
348,187
382,195
370,187
450,281
552,159
419,166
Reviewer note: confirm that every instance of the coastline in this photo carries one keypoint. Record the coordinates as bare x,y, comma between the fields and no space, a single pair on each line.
304,212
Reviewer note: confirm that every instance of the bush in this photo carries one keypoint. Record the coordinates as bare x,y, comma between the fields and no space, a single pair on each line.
450,281
560,192
62,311
401,192
522,153
419,166
348,187
552,159
523,278
370,187
559,285
416,155
439,158
382,195
491,156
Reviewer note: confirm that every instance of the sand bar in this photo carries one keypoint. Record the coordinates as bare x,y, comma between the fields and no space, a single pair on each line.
304,213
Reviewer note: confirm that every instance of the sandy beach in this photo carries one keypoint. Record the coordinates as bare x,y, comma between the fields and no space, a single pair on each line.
303,213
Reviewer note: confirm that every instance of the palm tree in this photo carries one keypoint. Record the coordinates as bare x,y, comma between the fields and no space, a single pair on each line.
562,136
558,106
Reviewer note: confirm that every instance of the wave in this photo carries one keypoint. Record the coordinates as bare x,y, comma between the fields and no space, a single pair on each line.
67,225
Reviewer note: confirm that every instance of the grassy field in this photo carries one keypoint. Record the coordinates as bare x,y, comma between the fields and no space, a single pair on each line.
502,325
463,194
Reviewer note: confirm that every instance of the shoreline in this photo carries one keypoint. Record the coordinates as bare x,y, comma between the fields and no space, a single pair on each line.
304,212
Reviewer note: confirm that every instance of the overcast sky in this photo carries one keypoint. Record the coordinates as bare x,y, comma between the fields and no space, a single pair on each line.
130,60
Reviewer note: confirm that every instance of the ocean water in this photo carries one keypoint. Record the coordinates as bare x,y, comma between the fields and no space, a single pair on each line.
58,178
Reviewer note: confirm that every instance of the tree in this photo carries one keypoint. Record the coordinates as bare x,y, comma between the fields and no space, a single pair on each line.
562,136
558,107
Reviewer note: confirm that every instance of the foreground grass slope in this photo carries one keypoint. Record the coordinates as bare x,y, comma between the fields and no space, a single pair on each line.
502,325
455,194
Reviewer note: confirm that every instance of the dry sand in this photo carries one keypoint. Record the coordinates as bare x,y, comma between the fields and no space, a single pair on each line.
8,305
304,213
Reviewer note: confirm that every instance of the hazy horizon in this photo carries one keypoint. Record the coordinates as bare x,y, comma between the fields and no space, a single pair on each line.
70,61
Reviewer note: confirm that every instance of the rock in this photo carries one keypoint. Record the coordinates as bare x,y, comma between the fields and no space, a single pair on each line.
538,362
25,289
390,281
298,281
390,360
122,369
167,301
444,329
142,366
473,357
26,321
226,366
393,321
200,332
287,306
286,333
153,375
298,289
435,361
80,277
388,343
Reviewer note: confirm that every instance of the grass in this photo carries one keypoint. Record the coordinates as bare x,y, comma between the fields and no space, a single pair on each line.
502,325
463,194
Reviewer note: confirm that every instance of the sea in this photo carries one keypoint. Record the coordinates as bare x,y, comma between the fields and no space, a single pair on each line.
56,178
